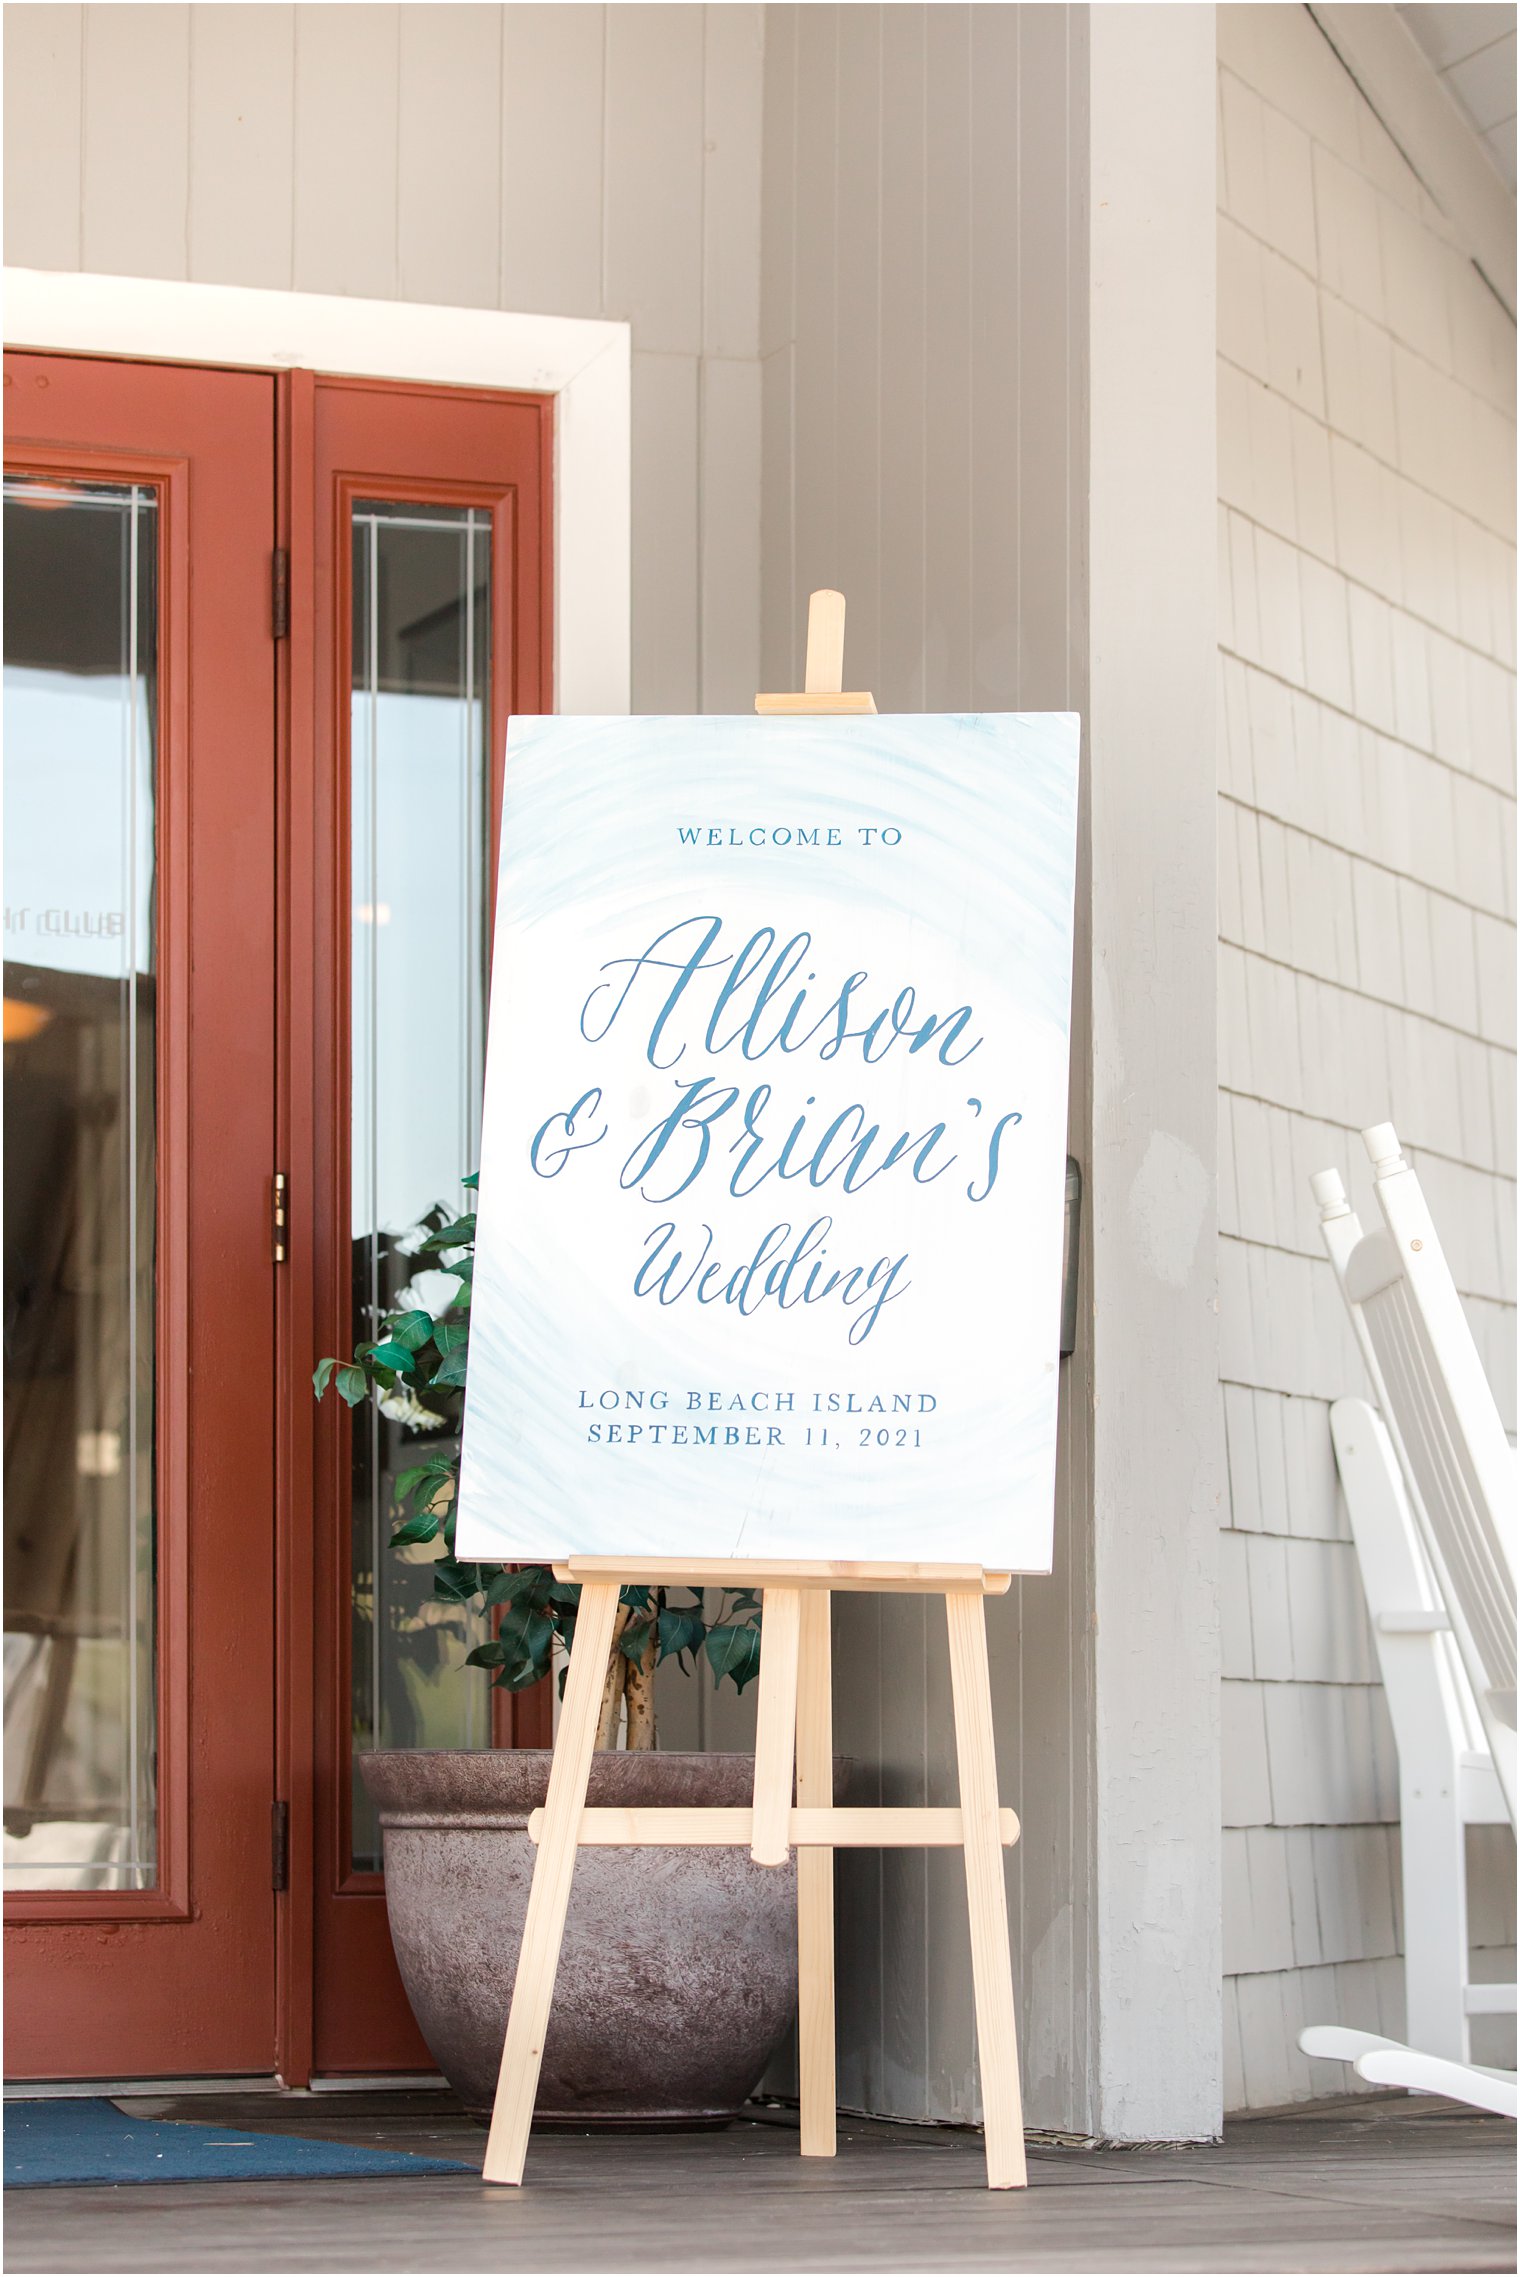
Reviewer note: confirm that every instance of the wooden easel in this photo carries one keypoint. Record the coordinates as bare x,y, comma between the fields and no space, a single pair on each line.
793,1738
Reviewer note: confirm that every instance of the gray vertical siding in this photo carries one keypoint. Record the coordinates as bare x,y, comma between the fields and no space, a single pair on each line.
576,161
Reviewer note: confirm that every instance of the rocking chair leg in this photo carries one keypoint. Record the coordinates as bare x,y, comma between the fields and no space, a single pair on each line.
549,1898
815,1883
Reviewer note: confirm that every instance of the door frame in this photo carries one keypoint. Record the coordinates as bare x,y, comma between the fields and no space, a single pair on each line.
521,582
585,366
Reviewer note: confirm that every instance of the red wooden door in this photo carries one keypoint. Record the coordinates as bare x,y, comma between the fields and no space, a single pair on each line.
140,1067
267,633
425,540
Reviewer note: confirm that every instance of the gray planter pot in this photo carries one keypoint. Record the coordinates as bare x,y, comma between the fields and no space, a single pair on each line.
678,1976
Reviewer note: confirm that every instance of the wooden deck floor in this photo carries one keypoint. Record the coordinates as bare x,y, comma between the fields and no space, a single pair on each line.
1385,2185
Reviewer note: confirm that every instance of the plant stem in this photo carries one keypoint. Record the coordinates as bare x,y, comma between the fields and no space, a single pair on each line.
639,1692
612,1689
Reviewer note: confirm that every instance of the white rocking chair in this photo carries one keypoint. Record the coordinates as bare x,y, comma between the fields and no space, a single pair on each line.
1447,1780
1432,1503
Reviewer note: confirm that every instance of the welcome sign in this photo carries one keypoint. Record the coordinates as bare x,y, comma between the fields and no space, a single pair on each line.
772,1172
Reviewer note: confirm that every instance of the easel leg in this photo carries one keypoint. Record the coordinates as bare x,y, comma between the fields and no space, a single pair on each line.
549,1898
776,1726
815,1882
986,1895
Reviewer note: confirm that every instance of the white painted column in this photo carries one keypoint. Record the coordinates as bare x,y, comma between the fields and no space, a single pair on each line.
1007,463
1156,1438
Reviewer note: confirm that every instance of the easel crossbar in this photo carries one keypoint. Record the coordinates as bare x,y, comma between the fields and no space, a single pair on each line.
763,1573
841,1828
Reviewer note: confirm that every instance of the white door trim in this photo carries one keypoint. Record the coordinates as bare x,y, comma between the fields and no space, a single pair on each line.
585,363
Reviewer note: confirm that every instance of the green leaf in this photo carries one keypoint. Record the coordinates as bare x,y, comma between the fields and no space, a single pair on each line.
458,1235
486,1655
352,1383
393,1356
535,1586
472,1180
423,1528
526,1639
634,1640
635,1597
681,1628
431,1477
735,1653
529,1631
507,1587
450,1371
451,1335
411,1330
322,1376
454,1582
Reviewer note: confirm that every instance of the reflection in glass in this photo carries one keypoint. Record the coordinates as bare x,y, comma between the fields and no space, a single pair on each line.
420,838
80,633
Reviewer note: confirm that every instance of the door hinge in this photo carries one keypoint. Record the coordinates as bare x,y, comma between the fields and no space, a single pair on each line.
279,1846
278,1219
279,592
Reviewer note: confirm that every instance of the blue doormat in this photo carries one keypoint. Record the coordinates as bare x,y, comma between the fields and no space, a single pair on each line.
86,2139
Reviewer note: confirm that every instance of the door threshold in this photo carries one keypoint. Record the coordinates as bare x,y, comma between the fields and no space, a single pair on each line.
229,2083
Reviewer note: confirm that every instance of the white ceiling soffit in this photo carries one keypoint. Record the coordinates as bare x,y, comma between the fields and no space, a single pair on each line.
1436,136
1473,49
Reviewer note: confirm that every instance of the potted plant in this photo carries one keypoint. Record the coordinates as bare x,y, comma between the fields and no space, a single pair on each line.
678,1973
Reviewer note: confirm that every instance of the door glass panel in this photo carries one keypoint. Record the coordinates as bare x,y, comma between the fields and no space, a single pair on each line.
420,823
80,635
